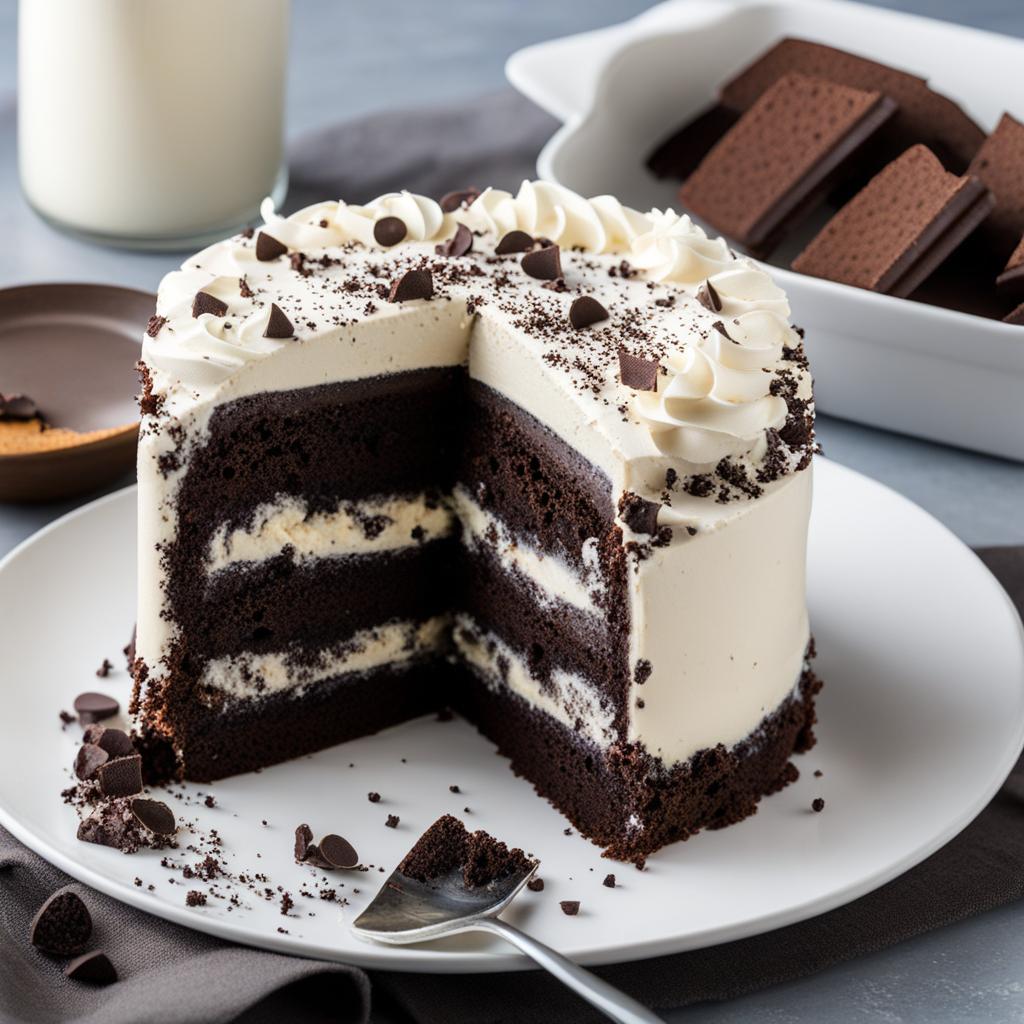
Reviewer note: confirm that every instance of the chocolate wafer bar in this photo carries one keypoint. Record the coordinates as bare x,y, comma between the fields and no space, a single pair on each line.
781,157
924,116
899,228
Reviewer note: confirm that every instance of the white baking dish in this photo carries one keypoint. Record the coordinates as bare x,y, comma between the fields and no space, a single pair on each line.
918,369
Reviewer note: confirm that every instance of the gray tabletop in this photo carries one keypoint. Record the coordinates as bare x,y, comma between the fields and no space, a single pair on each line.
969,972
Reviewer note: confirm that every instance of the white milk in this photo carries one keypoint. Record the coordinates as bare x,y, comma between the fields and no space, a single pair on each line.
151,122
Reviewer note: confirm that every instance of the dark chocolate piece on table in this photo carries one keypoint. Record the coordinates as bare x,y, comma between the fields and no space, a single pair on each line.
278,325
413,284
88,760
923,115
154,816
338,852
389,231
269,248
62,925
116,742
392,821
94,707
570,907
899,228
303,842
535,885
94,967
121,777
782,157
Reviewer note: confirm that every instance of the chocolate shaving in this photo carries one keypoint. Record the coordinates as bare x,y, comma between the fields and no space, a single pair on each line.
204,302
514,241
458,245
155,325
154,816
709,298
88,760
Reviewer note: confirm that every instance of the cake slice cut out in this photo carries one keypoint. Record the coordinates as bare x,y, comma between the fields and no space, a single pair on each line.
924,115
999,165
785,152
899,228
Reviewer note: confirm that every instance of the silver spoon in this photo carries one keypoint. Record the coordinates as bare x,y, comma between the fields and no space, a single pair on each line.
406,911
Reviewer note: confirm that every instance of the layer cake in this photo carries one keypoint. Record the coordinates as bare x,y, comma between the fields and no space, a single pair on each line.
542,459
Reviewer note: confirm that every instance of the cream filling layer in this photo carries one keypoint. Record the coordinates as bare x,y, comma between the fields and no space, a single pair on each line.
354,528
256,675
555,579
570,699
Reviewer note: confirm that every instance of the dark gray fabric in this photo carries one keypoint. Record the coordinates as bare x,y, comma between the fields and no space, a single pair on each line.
170,974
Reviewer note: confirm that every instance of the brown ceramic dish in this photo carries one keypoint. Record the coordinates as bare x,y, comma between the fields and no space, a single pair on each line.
72,349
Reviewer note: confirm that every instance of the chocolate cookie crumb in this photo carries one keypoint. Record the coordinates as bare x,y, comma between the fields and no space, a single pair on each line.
609,882
570,907
392,821
817,805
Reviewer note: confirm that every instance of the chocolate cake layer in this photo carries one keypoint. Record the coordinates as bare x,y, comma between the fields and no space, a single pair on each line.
276,603
623,799
215,743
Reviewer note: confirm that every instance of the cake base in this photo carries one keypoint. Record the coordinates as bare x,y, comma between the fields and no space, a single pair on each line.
623,799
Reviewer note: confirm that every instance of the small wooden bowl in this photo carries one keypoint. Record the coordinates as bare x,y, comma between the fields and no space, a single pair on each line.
72,348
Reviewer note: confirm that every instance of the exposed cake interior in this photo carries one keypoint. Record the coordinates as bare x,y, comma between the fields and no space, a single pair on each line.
459,498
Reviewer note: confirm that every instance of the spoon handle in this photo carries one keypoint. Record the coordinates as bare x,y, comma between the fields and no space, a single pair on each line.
610,1001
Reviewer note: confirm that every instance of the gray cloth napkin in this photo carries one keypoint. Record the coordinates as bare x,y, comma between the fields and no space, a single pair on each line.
171,974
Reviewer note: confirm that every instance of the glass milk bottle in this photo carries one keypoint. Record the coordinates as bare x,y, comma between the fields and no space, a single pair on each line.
151,123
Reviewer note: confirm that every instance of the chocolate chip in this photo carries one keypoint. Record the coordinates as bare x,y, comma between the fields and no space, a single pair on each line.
452,201
514,241
374,798
338,852
586,310
121,777
154,816
88,759
62,926
278,325
392,821
817,805
389,231
303,842
413,284
636,373
570,907
268,247
609,882
116,742
543,264
639,515
709,298
458,245
155,325
535,885
94,707
204,302
93,967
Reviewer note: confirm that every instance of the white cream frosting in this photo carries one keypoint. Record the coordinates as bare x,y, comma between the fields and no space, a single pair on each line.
568,698
393,643
354,528
553,577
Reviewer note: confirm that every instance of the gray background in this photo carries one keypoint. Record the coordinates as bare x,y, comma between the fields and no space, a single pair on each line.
430,53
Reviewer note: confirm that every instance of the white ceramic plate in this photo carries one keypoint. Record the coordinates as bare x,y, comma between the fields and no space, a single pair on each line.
922,717
887,362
